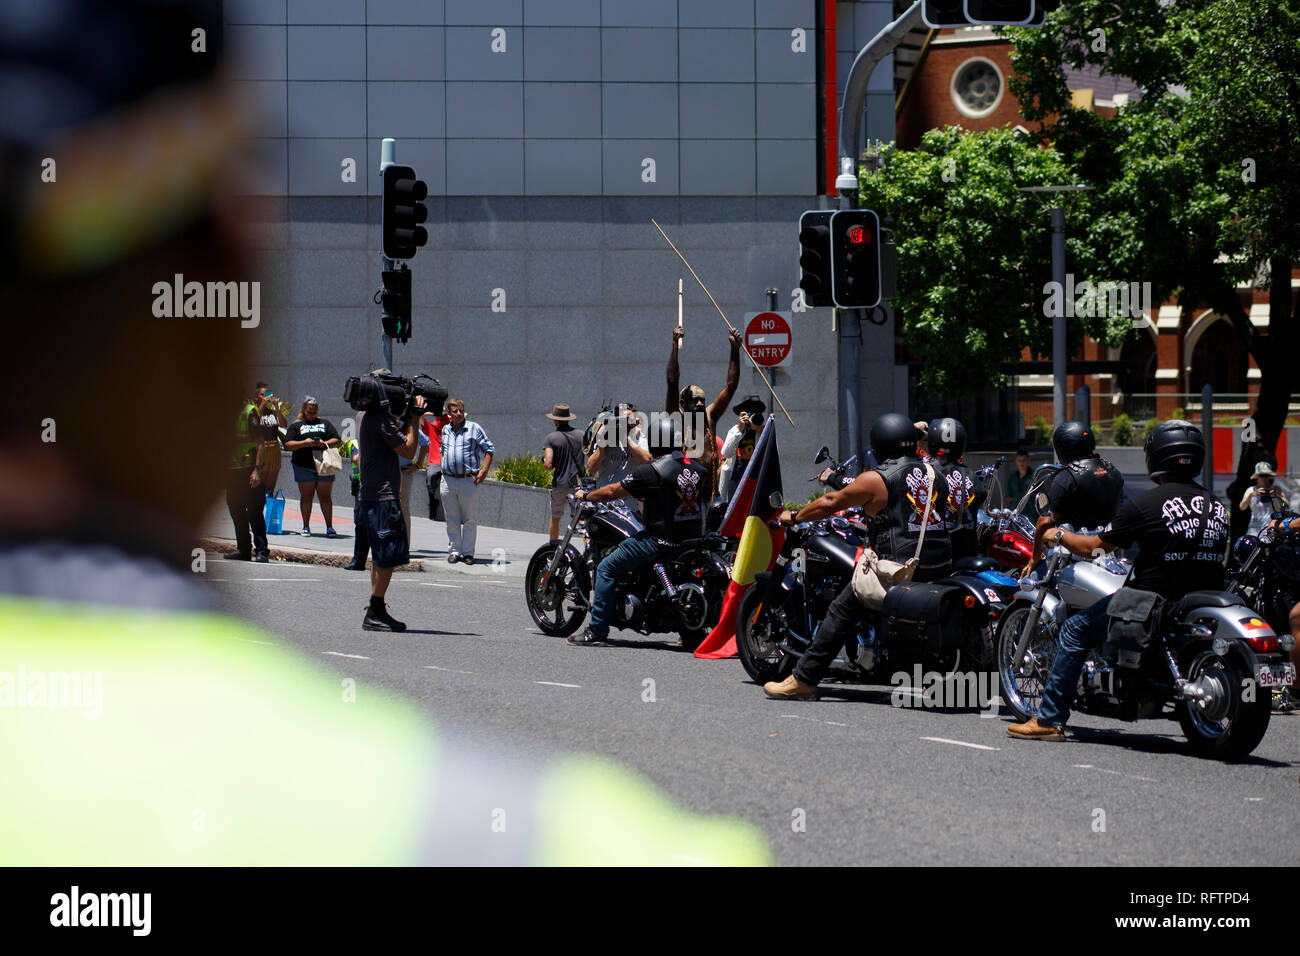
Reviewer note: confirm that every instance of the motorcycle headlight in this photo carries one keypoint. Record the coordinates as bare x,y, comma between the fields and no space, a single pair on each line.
1286,642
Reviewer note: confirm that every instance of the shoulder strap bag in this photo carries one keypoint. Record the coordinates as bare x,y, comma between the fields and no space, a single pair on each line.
874,575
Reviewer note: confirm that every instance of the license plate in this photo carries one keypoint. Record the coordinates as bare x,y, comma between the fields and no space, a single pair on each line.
1276,675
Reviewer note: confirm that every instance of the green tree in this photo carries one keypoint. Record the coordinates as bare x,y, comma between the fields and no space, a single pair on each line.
1198,182
974,252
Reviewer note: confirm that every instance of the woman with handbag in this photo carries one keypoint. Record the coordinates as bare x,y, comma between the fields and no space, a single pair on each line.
313,442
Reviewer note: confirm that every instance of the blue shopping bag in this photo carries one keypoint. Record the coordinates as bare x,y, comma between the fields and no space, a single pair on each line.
275,513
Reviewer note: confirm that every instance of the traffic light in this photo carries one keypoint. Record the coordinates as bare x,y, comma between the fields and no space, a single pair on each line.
855,259
815,256
1008,12
960,13
396,300
402,212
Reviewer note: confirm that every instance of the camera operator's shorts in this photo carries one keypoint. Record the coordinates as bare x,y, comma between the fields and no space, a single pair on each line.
386,530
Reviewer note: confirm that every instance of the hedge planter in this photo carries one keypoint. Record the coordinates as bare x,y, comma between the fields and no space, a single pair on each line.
503,504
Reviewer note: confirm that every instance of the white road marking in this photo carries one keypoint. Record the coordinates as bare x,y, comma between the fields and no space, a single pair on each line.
359,657
1083,766
551,683
249,640
449,670
1254,799
284,579
430,584
959,743
834,723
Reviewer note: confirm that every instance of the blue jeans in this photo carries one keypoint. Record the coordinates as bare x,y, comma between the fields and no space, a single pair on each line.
634,553
1079,634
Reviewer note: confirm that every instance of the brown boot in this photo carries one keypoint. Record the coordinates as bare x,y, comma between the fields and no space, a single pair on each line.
792,688
1033,730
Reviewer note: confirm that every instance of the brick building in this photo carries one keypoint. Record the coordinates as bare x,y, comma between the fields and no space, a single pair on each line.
958,77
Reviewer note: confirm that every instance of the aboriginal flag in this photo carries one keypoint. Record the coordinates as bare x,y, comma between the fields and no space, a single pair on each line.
746,519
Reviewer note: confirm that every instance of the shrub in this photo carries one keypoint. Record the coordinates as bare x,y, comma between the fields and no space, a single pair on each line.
1042,430
1123,431
523,470
1180,413
1149,427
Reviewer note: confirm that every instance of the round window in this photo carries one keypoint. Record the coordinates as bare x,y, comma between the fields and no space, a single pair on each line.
977,88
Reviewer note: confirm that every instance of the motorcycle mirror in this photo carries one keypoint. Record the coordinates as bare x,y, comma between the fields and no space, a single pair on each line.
775,500
822,455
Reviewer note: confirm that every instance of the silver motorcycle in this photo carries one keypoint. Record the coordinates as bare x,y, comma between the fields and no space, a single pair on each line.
1207,667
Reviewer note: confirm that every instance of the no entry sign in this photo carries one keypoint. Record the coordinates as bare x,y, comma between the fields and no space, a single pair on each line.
767,336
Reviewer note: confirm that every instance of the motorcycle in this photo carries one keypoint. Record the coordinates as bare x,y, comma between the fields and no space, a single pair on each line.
940,624
1208,655
1007,534
681,592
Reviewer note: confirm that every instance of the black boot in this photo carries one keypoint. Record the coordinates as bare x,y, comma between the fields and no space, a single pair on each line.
378,619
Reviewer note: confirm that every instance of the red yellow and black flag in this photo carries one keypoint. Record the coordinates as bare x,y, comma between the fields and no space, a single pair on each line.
747,516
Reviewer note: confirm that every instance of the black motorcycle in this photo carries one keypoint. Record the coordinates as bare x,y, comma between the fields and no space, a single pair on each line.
681,593
943,625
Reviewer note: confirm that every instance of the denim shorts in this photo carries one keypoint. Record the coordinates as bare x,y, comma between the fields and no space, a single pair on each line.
386,531
305,476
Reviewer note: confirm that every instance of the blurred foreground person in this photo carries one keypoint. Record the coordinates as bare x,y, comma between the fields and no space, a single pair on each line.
146,726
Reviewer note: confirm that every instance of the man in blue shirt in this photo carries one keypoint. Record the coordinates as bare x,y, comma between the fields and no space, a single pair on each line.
466,459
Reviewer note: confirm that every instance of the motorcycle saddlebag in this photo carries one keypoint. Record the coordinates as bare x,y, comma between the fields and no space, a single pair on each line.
1134,619
924,618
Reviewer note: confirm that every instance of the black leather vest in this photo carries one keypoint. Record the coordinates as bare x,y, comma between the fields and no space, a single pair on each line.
675,511
1093,488
960,485
895,530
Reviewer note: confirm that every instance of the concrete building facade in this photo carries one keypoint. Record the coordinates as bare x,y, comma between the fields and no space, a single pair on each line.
550,132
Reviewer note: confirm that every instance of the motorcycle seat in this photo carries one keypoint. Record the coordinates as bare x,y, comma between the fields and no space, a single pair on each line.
977,564
1195,599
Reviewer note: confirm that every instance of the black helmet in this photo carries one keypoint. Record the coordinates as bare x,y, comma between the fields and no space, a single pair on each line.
946,439
665,436
1174,448
893,435
1072,441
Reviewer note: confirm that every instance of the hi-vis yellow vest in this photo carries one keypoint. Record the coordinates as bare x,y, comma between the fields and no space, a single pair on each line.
135,737
244,454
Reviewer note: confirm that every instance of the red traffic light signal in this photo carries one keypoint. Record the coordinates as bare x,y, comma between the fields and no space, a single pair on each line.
855,258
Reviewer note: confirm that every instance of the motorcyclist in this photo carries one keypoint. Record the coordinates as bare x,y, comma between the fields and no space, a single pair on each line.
674,489
1084,493
1180,549
947,442
893,496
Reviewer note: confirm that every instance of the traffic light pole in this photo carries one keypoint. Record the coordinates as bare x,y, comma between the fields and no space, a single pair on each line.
849,321
387,157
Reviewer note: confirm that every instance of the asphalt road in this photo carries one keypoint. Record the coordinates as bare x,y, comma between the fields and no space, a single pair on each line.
847,780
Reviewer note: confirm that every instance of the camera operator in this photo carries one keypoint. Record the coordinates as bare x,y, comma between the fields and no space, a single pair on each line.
384,438
738,447
618,446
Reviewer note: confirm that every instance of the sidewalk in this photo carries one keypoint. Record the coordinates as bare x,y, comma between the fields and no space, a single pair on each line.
497,552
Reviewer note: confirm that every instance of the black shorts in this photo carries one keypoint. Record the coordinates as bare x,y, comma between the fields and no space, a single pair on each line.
386,529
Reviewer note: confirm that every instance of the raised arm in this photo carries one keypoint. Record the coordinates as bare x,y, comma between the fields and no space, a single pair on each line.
719,406
674,374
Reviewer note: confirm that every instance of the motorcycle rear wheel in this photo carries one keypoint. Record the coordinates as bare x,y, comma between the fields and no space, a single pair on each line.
554,606
1238,729
1022,691
759,633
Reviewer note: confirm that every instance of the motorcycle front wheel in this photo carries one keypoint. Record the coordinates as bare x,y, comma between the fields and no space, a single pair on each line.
556,603
1022,687
760,629
1230,726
